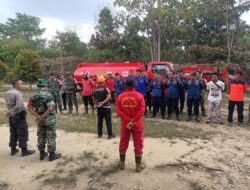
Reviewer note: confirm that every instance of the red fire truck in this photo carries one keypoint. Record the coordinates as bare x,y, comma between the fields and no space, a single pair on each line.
103,68
163,67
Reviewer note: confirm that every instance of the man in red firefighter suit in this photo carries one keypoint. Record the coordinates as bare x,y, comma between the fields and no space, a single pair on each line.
130,106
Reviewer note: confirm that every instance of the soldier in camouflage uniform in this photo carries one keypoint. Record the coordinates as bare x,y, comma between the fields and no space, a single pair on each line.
54,88
70,87
42,106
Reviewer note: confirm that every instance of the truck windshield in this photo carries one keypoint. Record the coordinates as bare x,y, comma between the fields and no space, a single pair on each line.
160,68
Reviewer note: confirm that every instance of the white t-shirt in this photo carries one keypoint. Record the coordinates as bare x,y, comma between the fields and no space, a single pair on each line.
214,91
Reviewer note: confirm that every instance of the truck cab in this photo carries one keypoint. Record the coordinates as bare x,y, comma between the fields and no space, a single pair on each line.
162,67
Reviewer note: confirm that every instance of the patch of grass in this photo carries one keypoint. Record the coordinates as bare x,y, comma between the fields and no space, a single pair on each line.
79,123
108,184
152,128
40,176
111,169
80,170
99,175
196,186
67,181
3,119
4,185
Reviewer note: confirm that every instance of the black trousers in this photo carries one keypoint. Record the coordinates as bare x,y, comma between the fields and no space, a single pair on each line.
172,104
158,103
88,100
18,130
112,96
145,99
182,100
148,101
104,113
193,104
64,99
240,108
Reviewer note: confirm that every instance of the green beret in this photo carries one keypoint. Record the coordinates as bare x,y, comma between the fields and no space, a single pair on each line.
42,83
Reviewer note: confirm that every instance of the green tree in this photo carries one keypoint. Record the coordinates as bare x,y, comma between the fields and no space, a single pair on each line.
105,45
147,12
136,47
23,26
70,44
27,66
106,35
3,70
9,48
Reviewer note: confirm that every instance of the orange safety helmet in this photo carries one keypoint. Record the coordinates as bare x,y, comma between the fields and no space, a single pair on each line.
101,79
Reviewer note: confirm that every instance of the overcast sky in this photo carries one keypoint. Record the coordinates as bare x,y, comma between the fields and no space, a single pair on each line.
79,15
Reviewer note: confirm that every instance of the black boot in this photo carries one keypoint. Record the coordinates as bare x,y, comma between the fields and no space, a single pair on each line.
86,111
197,119
14,151
111,136
43,155
122,161
189,118
26,152
77,112
178,118
54,156
93,109
139,165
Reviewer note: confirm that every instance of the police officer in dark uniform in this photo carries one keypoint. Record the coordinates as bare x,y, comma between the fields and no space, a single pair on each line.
17,119
174,85
102,98
182,90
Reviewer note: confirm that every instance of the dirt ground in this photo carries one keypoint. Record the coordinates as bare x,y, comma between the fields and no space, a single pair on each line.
219,161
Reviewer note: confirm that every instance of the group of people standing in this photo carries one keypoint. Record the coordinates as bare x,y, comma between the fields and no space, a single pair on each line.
166,94
135,96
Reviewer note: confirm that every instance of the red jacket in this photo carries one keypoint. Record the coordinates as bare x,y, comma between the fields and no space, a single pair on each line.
87,87
131,105
110,83
237,89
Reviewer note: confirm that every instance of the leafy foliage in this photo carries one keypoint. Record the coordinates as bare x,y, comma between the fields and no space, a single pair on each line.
27,66
3,70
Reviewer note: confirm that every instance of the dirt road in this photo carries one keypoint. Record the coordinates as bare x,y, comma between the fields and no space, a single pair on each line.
221,162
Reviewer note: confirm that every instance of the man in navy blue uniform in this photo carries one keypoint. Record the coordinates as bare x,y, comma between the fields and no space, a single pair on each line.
202,99
183,80
148,91
174,85
194,88
157,86
119,85
141,85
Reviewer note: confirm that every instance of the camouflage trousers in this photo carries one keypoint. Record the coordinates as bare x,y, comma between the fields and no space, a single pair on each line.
202,103
46,133
58,102
71,99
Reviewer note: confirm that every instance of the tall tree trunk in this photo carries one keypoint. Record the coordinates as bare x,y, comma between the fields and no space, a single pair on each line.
155,41
230,34
159,44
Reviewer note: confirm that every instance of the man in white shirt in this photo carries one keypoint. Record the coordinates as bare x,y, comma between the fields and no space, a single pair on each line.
215,88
